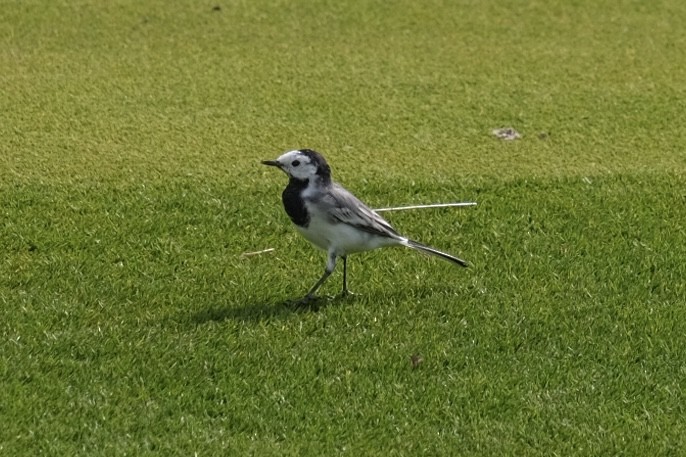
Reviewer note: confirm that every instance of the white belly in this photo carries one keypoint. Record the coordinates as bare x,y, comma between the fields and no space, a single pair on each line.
341,238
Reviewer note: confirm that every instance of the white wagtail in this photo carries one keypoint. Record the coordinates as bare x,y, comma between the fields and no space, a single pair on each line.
332,218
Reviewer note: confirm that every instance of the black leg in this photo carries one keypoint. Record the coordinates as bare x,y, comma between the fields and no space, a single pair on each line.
330,266
345,275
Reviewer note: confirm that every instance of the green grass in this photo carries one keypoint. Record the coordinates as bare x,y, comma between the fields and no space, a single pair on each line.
130,186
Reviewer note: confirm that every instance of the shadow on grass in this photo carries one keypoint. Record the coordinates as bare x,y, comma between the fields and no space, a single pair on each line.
264,311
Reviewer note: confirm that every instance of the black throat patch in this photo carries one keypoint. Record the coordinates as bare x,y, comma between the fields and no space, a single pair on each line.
293,202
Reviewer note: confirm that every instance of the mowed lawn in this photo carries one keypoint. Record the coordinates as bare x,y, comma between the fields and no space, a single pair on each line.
132,322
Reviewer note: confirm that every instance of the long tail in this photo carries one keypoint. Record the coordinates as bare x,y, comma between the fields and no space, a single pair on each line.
429,250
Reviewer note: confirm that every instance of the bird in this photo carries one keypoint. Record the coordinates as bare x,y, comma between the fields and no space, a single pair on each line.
332,218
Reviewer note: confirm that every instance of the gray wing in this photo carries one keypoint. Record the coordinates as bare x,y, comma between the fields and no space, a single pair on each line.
343,207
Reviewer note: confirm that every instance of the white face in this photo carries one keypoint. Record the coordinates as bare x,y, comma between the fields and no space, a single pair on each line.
297,165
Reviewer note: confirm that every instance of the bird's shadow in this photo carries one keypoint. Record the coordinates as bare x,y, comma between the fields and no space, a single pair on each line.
271,310
263,311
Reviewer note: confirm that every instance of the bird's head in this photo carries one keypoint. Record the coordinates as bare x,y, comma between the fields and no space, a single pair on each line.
302,164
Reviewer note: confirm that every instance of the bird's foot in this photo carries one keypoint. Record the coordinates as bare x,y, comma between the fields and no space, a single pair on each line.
310,301
307,300
345,293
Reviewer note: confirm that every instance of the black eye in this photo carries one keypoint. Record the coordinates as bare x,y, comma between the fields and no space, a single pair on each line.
295,163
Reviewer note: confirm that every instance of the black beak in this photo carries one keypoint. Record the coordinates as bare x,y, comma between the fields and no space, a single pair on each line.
271,163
